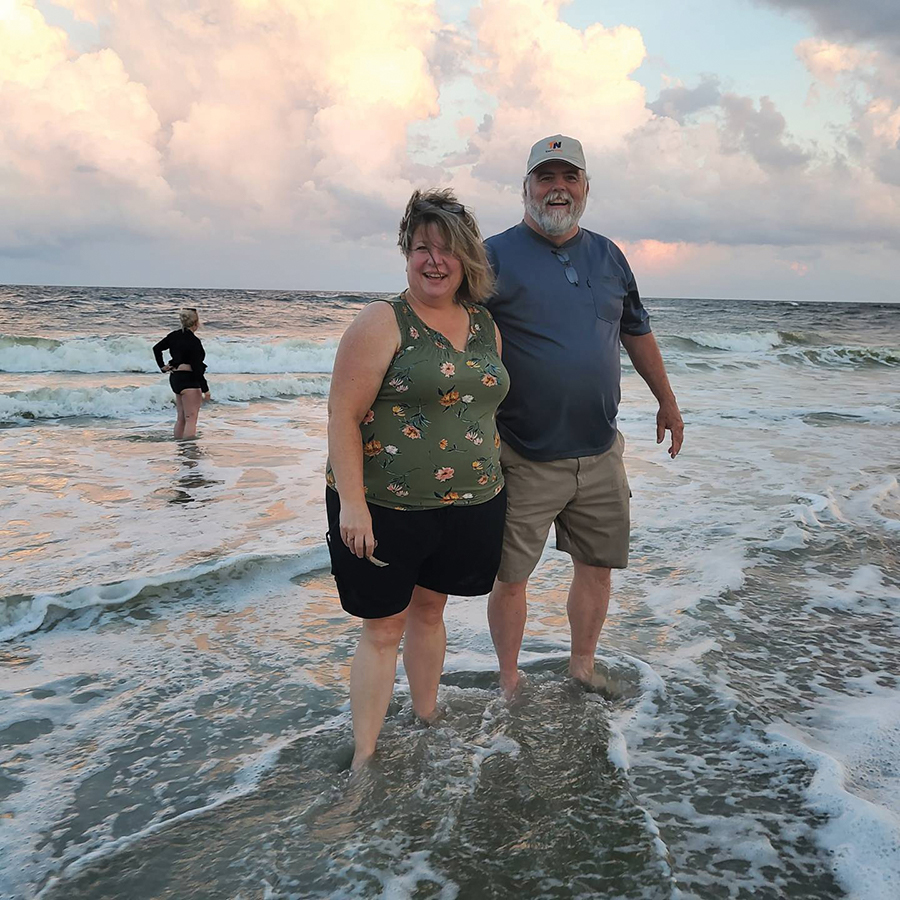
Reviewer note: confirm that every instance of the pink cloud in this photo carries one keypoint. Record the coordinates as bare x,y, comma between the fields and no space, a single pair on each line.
658,257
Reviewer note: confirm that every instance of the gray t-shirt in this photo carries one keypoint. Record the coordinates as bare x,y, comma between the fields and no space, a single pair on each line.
561,340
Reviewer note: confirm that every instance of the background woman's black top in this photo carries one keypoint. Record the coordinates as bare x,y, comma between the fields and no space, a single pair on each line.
185,347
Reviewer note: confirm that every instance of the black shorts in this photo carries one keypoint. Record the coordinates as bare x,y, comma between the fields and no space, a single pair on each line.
451,550
182,381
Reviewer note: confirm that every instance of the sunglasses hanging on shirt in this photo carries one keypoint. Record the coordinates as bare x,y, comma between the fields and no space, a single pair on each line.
571,272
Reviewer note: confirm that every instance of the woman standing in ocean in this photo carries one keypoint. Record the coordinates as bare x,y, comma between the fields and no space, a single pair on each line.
186,368
415,495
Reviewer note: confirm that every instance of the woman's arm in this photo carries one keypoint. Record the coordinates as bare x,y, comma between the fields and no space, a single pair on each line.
158,351
197,355
363,357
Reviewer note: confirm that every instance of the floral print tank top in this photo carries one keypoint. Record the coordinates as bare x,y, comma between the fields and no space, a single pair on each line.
430,438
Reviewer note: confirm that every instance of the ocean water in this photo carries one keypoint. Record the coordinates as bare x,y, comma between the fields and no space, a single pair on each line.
174,661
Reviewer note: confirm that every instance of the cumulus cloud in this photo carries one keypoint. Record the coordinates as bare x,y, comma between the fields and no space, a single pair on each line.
868,81
679,101
760,132
79,146
239,116
827,61
857,55
545,76
875,21
673,183
734,177
264,122
281,108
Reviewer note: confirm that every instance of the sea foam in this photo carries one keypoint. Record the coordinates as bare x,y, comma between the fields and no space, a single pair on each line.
861,838
125,353
128,402
20,615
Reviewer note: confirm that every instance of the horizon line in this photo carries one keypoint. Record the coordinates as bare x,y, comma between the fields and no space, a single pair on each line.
151,287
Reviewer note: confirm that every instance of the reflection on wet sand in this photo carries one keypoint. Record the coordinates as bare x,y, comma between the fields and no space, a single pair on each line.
192,477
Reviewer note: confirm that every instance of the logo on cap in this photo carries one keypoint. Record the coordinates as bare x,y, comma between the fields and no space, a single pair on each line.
555,145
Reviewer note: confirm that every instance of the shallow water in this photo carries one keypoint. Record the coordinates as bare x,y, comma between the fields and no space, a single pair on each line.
173,712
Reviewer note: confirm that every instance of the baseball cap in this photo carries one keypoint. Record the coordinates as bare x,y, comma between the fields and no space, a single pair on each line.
557,146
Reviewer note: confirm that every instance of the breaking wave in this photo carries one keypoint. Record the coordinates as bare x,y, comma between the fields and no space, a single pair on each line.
128,402
782,346
124,353
22,614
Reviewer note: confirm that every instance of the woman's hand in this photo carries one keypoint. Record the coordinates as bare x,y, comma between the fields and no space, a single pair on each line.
356,530
206,397
166,368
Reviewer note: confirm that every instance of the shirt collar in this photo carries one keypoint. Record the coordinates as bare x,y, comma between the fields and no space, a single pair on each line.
523,226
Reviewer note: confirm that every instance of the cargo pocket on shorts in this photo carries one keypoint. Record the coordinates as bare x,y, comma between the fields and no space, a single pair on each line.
620,440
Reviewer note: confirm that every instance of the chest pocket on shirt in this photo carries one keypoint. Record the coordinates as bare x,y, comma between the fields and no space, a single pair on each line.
609,295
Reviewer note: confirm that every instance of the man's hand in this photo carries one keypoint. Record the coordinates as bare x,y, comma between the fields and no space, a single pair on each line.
669,419
648,362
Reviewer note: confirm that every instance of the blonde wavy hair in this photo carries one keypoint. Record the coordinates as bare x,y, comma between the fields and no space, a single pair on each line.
189,317
460,233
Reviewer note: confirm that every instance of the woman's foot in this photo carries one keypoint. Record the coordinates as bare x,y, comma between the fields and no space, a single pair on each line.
361,758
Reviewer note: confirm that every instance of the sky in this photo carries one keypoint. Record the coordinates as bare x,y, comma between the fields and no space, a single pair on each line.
736,148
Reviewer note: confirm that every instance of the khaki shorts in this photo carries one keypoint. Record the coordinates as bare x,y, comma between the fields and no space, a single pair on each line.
587,499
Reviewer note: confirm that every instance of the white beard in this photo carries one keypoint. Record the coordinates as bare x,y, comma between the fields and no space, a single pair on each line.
555,220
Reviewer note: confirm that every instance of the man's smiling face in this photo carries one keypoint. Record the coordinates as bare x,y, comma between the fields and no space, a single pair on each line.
555,197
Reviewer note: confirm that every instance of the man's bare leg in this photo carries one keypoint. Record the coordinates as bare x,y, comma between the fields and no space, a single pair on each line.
507,610
587,606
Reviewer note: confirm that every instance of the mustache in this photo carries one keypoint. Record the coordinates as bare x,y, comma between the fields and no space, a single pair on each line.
555,196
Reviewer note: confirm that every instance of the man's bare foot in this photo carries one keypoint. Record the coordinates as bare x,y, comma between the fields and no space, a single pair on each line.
509,683
597,682
436,714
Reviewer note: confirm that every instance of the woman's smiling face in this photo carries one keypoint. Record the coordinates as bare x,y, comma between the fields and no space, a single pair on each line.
432,272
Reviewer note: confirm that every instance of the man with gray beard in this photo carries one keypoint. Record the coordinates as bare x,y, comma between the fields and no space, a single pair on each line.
565,299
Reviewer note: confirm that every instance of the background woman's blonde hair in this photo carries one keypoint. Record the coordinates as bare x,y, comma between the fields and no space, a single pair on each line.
189,317
460,233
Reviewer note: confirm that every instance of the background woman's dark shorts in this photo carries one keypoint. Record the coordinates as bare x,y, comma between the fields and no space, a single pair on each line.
452,550
182,381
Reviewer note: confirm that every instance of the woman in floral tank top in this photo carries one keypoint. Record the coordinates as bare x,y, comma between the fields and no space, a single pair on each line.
415,494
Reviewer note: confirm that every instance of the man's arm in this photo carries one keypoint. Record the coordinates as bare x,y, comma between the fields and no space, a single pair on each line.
644,353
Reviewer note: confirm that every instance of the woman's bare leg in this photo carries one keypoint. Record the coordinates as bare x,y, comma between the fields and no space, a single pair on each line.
424,648
372,681
191,399
179,419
